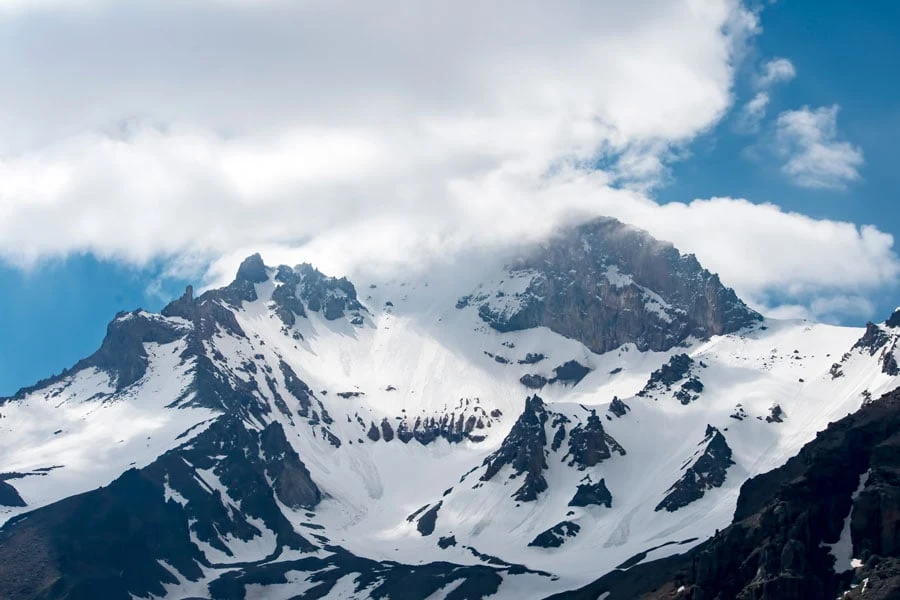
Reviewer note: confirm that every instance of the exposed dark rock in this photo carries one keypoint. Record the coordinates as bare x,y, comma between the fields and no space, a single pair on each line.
873,340
534,382
9,496
556,535
242,289
570,372
296,387
676,369
369,578
523,450
252,269
739,413
329,295
592,493
776,414
287,305
606,284
387,432
559,424
689,391
877,580
454,427
618,408
404,433
836,371
894,319
425,524
707,472
414,515
446,542
331,438
373,433
289,476
889,364
589,444
532,358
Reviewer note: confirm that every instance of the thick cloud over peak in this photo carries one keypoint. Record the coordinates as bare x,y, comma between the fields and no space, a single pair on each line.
138,130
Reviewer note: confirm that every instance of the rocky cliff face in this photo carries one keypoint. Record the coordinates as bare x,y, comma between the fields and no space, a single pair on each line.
523,451
605,284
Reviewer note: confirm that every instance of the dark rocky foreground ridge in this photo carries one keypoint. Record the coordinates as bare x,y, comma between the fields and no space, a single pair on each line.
778,547
605,283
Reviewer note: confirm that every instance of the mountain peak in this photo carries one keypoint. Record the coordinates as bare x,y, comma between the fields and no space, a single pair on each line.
605,284
894,319
252,269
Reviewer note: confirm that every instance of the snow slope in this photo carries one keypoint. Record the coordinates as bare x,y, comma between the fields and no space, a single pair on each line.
416,355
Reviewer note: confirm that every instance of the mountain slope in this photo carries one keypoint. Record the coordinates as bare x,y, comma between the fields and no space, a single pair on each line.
801,530
290,433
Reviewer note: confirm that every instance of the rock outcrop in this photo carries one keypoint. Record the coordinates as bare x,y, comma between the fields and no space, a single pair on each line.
523,451
590,493
589,444
556,536
680,372
606,284
706,472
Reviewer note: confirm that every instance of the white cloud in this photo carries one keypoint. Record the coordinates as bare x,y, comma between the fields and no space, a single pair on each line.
751,115
140,129
355,135
807,139
778,70
771,257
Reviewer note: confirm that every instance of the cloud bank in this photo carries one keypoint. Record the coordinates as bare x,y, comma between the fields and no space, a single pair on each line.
386,136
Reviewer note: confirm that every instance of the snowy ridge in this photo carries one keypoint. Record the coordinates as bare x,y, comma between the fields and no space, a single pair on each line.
278,439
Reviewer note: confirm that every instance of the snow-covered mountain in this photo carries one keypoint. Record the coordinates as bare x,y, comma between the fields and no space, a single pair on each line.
516,426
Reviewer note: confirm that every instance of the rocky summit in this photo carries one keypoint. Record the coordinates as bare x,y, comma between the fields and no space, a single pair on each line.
606,284
596,416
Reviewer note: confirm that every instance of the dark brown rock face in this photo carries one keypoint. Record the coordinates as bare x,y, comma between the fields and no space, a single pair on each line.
605,284
589,493
884,341
556,535
523,450
589,444
9,496
707,472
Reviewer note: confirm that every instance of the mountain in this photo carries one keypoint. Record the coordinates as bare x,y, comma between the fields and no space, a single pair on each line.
517,425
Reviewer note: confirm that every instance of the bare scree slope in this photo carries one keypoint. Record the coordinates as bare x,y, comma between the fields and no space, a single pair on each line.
520,428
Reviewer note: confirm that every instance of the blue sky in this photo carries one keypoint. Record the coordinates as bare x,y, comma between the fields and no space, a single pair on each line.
61,289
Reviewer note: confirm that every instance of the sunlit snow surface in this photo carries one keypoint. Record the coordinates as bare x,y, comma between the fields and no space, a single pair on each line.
432,356
79,434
